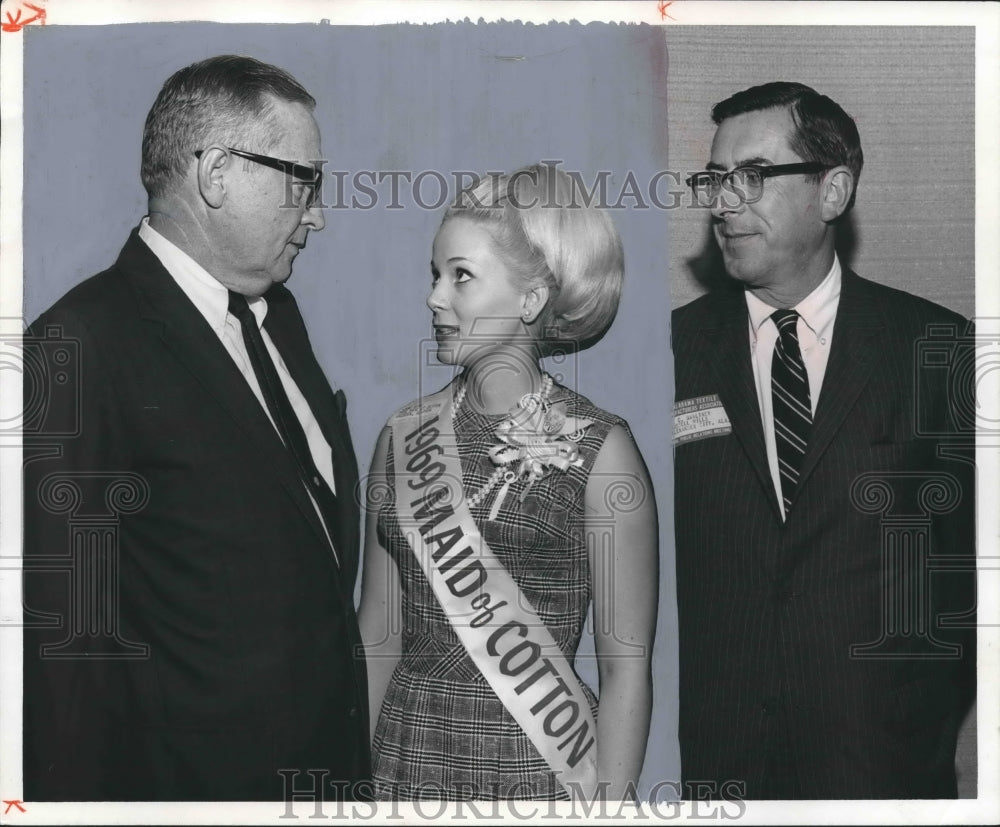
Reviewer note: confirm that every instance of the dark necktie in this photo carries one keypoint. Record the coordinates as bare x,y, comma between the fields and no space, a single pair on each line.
790,403
285,420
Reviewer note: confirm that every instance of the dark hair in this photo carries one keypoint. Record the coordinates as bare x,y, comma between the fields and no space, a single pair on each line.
226,99
548,239
824,132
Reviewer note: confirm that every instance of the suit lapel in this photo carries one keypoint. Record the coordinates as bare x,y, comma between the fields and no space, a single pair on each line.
728,341
287,331
285,327
186,334
852,358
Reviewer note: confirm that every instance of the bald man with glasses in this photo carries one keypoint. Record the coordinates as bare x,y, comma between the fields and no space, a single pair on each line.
824,534
207,648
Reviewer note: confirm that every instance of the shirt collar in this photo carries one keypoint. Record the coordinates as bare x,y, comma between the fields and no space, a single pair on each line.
208,295
818,310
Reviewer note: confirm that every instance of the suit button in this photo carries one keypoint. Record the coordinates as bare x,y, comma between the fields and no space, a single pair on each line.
352,712
316,481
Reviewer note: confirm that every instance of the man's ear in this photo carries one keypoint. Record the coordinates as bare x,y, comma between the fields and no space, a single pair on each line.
211,176
534,303
838,185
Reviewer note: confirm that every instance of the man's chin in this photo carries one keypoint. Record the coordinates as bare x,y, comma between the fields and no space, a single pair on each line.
281,274
740,270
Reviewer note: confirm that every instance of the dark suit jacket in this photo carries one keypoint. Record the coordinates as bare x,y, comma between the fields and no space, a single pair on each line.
214,637
772,694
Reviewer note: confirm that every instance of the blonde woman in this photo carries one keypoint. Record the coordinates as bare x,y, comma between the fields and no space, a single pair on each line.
500,509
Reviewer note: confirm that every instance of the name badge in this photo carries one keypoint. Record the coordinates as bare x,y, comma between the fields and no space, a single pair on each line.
700,418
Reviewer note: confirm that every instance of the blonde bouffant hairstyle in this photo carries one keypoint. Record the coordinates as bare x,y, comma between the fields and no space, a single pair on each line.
547,237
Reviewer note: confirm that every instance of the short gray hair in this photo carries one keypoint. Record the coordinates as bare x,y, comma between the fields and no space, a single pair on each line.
226,99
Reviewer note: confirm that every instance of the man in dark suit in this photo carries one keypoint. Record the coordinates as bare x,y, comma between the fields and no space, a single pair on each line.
191,527
824,493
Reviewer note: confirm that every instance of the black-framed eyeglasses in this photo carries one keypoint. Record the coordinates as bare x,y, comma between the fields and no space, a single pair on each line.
745,182
311,178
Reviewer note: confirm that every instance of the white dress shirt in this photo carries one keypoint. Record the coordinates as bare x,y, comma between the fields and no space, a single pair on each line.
211,299
817,313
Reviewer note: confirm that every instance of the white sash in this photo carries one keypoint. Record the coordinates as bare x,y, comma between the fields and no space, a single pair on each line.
496,624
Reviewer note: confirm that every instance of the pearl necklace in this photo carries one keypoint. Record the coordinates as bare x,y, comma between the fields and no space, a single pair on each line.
501,473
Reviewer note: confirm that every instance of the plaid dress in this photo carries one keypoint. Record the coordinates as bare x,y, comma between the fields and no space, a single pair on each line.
442,732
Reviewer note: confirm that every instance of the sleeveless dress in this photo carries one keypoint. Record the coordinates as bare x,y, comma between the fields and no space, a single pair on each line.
442,732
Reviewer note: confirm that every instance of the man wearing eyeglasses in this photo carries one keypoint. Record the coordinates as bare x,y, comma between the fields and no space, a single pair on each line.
216,656
819,656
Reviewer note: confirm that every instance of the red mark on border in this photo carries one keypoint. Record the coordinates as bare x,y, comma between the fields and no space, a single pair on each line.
15,24
662,9
16,802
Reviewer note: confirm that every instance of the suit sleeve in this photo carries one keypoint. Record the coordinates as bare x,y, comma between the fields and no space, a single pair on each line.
946,413
957,534
74,437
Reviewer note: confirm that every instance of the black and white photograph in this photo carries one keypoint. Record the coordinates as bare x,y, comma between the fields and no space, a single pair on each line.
499,411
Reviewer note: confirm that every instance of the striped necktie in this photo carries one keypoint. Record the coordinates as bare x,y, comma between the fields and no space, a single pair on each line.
790,403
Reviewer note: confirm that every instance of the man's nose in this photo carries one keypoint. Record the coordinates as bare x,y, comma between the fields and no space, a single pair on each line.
727,201
313,217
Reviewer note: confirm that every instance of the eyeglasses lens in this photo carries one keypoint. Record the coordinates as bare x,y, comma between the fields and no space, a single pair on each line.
746,183
739,186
